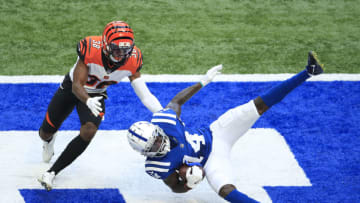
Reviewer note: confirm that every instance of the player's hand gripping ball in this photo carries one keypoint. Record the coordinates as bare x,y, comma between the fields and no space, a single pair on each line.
192,174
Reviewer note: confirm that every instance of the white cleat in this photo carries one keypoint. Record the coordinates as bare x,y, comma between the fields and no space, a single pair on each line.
47,180
48,150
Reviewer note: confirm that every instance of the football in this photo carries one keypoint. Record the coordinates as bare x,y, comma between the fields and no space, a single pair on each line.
182,171
183,168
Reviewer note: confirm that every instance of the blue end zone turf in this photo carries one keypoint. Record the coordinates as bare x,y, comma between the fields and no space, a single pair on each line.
319,120
72,195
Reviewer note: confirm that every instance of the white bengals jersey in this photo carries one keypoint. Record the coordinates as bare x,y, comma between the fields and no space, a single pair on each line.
90,52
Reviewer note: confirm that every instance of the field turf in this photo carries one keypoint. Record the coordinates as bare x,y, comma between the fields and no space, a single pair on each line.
39,37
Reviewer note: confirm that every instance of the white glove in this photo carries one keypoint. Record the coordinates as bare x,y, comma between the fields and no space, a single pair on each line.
210,74
94,105
194,176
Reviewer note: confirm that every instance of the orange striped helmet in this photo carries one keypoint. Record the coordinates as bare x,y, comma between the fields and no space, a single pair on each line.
118,41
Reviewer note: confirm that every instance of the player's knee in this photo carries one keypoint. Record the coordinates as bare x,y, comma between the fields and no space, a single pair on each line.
226,189
87,131
45,135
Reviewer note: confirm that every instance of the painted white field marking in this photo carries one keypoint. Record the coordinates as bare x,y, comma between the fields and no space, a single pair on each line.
261,158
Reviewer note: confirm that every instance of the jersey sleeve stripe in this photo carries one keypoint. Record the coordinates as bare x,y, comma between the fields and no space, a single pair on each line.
140,62
81,49
158,163
138,58
158,120
156,169
90,41
165,115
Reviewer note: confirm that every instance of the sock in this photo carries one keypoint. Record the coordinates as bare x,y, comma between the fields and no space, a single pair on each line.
236,196
71,152
277,93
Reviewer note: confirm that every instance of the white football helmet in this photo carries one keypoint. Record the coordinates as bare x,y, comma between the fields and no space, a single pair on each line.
148,139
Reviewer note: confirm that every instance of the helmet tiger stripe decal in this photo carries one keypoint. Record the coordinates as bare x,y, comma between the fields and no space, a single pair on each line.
118,41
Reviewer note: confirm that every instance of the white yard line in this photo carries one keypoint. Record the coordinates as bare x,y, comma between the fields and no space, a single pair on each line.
109,162
187,78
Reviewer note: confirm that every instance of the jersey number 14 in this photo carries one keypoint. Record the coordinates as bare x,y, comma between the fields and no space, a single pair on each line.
195,141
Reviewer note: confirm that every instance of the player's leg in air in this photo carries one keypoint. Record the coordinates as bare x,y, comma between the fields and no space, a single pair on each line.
229,127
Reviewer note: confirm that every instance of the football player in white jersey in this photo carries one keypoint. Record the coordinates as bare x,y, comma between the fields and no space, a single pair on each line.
102,61
168,144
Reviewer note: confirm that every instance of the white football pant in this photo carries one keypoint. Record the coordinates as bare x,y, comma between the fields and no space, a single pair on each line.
226,130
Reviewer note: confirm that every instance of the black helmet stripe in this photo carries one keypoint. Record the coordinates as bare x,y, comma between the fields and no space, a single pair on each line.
115,27
108,37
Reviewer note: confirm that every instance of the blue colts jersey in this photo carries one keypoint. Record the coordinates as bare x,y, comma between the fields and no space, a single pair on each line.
186,145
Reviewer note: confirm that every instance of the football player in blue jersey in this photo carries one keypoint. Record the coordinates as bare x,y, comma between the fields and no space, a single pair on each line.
168,144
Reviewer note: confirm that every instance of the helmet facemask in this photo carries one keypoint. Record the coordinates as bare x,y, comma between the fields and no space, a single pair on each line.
119,51
159,146
148,139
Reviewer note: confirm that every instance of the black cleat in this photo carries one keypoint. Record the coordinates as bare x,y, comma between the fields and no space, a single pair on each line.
314,67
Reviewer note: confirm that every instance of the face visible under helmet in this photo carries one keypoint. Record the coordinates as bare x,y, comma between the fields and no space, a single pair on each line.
118,41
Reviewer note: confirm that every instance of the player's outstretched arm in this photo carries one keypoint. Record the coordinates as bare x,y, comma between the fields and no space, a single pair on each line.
187,93
144,94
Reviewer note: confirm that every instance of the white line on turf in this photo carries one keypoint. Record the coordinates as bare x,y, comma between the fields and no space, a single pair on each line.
16,79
